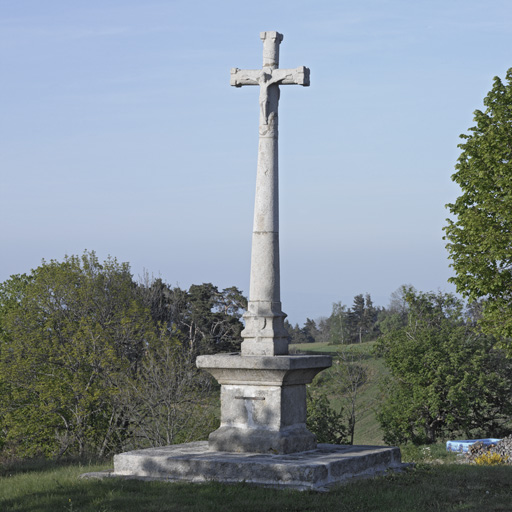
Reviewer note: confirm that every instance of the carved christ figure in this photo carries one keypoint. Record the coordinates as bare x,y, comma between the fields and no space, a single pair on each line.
265,78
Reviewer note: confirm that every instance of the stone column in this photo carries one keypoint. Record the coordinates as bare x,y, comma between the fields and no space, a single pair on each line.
264,333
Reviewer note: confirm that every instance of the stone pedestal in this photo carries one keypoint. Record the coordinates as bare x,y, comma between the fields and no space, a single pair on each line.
318,469
263,401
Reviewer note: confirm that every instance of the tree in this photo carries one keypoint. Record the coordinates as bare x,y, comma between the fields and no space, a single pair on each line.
170,401
480,238
204,319
68,331
338,324
323,325
362,319
446,376
348,375
90,361
394,317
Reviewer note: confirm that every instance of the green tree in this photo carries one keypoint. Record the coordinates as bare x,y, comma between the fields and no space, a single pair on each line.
170,401
480,237
68,331
362,319
446,377
203,318
338,324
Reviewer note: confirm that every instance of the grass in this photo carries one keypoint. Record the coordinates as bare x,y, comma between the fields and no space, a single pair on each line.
436,483
447,487
367,430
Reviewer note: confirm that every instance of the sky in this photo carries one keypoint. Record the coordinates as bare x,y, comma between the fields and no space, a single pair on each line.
120,133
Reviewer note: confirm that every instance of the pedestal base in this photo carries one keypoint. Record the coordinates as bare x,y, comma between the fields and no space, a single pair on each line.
229,439
317,469
263,401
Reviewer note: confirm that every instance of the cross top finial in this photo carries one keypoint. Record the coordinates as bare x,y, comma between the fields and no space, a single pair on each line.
271,41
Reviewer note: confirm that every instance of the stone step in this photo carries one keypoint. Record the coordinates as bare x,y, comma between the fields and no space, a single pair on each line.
316,469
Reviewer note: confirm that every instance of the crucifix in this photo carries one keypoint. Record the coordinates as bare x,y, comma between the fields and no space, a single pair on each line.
264,332
263,389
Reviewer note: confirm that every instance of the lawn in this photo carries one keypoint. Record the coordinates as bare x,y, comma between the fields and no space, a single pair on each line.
428,487
438,482
367,430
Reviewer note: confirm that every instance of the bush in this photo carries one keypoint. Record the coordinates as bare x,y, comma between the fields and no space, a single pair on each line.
324,421
491,459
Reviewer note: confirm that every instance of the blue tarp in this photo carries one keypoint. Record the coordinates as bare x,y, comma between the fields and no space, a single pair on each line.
463,446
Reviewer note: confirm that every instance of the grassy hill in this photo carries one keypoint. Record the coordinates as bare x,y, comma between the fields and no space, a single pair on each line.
367,429
437,482
52,487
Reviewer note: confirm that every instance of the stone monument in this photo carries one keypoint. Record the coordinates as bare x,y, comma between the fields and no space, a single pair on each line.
263,389
263,437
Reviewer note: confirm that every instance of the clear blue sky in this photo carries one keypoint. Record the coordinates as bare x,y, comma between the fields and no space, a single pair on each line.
119,133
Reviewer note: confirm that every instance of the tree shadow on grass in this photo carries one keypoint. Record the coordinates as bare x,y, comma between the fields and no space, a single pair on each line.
41,465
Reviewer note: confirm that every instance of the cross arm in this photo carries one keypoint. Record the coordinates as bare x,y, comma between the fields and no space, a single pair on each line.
297,76
241,77
268,76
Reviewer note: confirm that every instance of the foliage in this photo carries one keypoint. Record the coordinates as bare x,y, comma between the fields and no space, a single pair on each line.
203,318
348,376
67,334
344,325
92,361
491,459
324,421
480,239
446,376
170,401
356,324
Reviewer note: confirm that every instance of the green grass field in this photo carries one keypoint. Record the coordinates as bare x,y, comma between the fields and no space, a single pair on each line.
437,482
367,430
428,487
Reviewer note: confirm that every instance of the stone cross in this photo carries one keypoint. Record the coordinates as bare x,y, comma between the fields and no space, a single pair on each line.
263,389
264,332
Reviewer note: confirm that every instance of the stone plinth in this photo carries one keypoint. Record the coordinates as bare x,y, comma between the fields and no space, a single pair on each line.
318,469
263,401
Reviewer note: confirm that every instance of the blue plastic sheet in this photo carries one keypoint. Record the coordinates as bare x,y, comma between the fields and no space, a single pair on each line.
463,446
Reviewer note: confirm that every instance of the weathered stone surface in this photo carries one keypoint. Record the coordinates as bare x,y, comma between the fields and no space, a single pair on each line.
316,469
263,401
283,441
264,332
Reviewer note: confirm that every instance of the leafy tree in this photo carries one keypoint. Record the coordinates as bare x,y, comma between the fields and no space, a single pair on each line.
349,373
362,319
446,377
91,361
394,317
204,319
480,238
338,324
68,330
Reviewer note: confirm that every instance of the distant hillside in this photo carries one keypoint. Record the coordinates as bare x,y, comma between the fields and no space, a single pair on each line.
367,428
